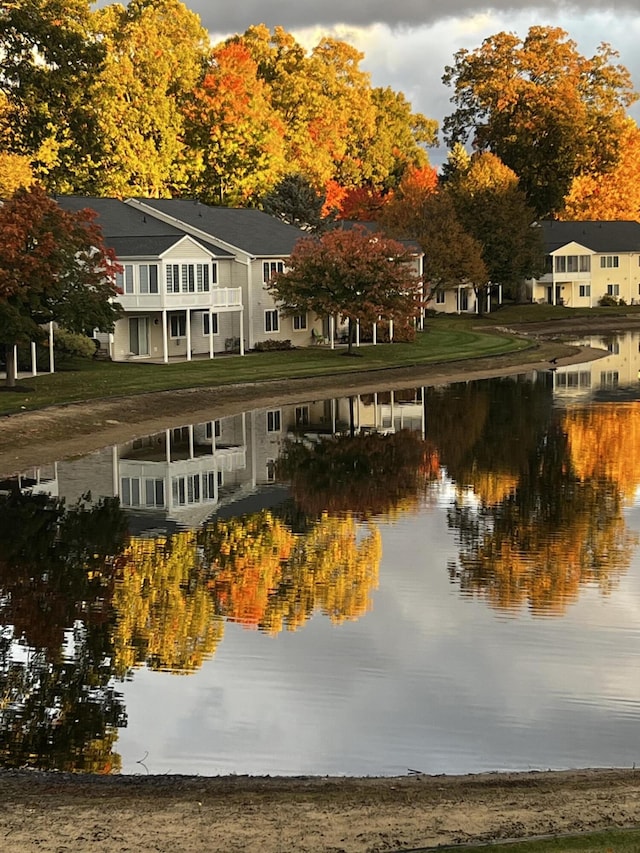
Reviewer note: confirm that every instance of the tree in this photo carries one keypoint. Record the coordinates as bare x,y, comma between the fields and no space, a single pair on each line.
452,256
356,273
613,195
493,209
50,63
548,112
53,267
297,202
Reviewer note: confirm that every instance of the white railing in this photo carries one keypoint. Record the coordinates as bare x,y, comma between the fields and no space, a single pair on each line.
218,298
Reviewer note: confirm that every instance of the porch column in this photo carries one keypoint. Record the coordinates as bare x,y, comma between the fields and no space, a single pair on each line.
458,299
15,361
167,445
192,454
210,333
188,328
357,333
241,333
332,329
34,362
165,340
390,331
499,294
115,477
375,334
110,345
52,362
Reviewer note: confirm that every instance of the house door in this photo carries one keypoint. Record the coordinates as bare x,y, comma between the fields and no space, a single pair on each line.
463,300
139,335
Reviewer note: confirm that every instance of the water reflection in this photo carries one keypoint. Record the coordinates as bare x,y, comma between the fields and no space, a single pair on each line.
266,519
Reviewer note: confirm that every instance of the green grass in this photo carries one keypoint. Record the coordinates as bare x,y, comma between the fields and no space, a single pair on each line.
610,841
87,380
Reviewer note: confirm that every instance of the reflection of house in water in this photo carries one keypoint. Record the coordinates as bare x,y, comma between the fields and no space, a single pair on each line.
619,367
181,476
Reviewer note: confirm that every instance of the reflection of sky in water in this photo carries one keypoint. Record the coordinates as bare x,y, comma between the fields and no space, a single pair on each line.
427,680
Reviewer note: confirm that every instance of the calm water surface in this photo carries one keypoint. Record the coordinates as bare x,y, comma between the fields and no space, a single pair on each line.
444,580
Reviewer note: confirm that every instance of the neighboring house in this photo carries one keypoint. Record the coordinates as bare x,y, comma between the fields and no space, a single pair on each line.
588,260
193,280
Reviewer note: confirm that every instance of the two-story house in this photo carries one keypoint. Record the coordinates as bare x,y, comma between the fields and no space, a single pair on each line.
588,260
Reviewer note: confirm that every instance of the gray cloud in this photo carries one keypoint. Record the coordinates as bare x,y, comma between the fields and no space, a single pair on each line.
292,14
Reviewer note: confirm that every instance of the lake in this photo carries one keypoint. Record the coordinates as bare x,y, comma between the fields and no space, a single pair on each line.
444,580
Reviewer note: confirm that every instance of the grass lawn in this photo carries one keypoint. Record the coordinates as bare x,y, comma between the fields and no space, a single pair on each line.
86,380
611,841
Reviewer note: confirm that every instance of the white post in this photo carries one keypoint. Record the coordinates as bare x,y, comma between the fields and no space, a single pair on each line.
115,476
188,330
210,333
390,331
192,454
241,333
15,361
34,362
375,334
357,333
165,341
52,362
332,336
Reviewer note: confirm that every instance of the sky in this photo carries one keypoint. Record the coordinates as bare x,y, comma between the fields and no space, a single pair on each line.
407,43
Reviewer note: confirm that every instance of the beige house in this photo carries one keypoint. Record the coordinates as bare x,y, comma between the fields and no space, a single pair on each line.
586,261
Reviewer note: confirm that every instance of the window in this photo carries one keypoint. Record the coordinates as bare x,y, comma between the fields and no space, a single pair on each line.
273,421
572,263
613,348
609,261
299,321
585,290
574,379
302,416
185,490
178,325
613,290
213,428
135,491
609,379
188,278
148,275
139,335
585,263
560,264
269,268
206,325
271,321
124,279
440,297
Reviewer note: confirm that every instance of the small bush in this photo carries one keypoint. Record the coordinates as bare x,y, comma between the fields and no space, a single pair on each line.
270,345
69,343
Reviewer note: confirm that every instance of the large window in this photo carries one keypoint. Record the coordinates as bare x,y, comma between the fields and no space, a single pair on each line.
271,321
148,275
124,279
142,491
613,290
274,421
299,321
139,335
609,261
140,278
189,278
572,263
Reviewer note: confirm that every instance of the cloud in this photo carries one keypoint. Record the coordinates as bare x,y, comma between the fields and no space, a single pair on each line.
292,14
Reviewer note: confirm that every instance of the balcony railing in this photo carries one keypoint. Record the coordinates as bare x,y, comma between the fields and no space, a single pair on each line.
218,299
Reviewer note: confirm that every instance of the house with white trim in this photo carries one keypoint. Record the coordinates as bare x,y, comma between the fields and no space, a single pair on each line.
586,261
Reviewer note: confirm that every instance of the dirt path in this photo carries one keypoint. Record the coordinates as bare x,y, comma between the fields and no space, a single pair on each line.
54,813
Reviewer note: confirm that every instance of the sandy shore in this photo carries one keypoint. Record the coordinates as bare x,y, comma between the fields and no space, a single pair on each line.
57,812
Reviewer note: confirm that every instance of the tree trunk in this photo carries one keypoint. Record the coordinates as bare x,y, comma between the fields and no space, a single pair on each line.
350,336
11,365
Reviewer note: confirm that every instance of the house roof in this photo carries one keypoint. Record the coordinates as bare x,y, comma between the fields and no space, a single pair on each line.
128,231
249,230
368,225
599,236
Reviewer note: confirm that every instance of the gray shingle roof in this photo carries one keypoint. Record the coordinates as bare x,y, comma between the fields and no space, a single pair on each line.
250,230
601,237
128,231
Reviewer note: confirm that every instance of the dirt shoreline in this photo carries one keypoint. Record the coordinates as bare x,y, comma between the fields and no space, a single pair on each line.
49,812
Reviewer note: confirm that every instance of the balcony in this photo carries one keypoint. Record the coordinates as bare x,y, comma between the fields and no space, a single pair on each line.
217,299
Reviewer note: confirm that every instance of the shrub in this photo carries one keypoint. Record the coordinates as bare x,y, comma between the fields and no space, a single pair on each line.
69,343
270,345
607,301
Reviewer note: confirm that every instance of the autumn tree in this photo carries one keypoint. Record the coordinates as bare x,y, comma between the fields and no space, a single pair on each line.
548,112
53,267
155,54
233,126
51,60
493,209
356,273
614,194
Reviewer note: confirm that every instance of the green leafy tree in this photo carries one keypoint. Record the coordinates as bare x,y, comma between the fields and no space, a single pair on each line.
356,273
548,112
53,266
297,202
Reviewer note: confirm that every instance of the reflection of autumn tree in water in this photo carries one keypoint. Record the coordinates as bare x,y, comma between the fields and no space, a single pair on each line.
265,576
56,570
366,474
484,432
554,533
